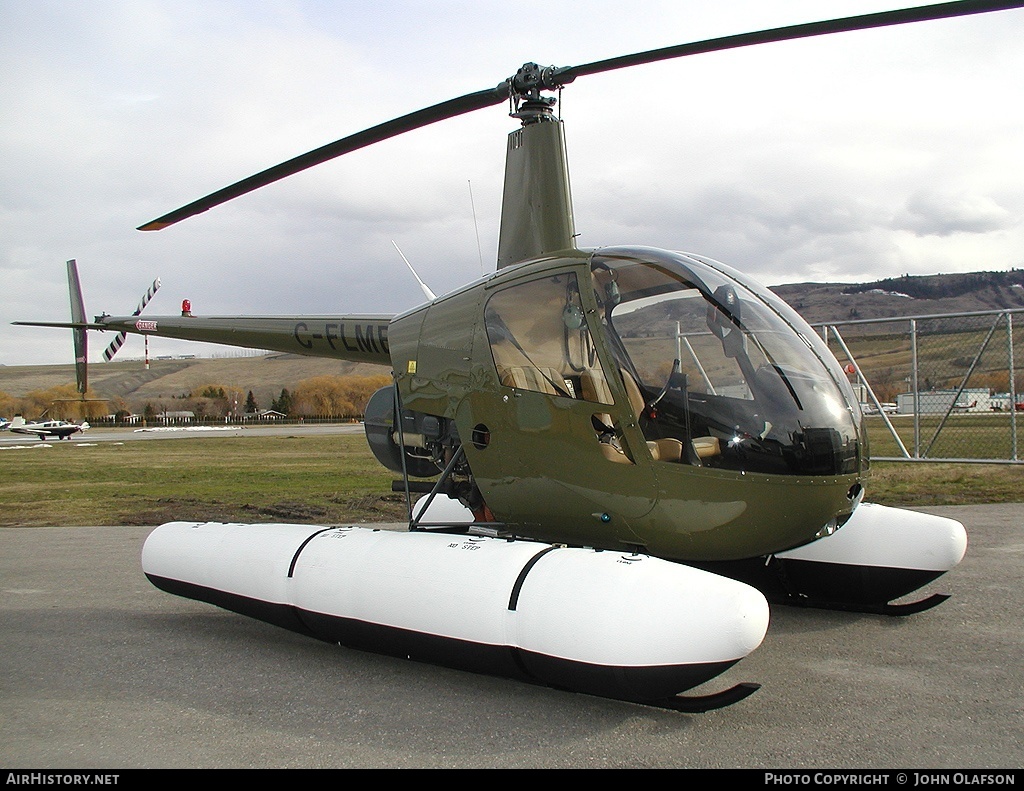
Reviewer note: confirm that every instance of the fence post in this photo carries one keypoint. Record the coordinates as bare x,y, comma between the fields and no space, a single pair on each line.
1013,386
917,390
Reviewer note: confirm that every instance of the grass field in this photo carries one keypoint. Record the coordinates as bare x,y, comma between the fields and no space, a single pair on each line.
315,479
306,479
960,436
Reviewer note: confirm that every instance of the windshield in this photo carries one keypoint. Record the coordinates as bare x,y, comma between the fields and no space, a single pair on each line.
719,368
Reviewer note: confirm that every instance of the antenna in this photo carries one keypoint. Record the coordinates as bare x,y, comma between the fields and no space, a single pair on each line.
476,227
429,294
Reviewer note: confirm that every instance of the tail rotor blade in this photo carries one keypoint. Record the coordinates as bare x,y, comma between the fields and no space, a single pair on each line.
118,341
114,346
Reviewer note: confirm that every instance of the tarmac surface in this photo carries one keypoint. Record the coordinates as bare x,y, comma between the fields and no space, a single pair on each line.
100,670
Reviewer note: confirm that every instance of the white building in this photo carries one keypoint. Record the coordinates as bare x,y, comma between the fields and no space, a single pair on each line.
938,402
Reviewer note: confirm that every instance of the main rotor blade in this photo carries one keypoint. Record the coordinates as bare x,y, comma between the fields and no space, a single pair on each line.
535,79
807,30
397,126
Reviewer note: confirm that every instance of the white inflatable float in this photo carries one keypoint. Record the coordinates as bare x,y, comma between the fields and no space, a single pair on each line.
606,623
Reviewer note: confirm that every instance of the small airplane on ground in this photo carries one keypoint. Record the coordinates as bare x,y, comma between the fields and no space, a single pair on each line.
61,429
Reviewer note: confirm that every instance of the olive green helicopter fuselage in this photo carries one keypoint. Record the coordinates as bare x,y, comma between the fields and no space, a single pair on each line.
619,398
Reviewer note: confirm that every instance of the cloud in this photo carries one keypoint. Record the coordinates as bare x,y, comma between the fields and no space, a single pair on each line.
929,213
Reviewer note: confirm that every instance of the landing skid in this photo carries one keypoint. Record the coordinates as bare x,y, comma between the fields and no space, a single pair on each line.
910,608
698,704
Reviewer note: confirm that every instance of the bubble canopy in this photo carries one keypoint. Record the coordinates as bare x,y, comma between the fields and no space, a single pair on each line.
725,366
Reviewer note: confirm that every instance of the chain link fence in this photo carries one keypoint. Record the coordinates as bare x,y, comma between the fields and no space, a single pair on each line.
935,388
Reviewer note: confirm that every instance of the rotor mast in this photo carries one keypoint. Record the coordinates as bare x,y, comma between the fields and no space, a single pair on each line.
536,210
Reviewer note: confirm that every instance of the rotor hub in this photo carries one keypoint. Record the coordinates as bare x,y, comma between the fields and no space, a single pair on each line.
525,92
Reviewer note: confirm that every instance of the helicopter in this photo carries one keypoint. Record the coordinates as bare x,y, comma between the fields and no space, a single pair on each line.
620,456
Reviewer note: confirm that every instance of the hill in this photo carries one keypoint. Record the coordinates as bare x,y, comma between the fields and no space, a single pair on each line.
267,375
906,296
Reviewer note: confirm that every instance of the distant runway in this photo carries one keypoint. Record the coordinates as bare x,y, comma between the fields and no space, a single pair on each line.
8,438
99,669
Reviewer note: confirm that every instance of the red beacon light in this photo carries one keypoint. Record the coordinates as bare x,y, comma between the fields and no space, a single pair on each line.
186,307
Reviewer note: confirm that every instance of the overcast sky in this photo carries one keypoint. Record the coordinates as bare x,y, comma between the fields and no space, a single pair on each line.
844,159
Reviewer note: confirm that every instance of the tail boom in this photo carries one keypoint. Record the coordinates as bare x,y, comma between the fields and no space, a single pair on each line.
359,338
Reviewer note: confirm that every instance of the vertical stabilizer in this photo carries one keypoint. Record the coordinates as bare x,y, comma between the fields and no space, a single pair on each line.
78,317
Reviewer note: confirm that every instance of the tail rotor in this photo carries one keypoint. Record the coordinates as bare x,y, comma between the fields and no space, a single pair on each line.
118,341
